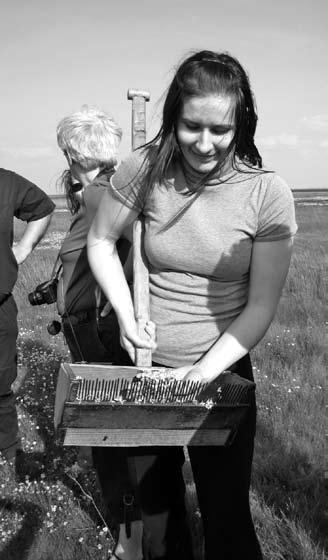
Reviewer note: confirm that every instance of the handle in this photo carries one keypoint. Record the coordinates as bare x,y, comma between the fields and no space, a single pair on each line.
139,98
140,291
140,269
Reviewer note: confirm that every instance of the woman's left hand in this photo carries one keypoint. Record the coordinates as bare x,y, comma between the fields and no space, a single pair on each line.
191,372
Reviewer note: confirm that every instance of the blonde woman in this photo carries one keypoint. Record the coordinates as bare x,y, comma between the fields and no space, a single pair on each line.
89,140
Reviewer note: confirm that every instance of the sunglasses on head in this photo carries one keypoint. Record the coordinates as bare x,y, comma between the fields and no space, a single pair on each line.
76,187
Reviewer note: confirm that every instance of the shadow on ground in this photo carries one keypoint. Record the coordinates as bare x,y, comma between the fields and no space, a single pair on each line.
35,390
19,545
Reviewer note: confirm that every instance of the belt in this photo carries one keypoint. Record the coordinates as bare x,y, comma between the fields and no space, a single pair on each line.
80,316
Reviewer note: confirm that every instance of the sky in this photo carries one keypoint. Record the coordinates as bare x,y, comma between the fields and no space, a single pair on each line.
56,56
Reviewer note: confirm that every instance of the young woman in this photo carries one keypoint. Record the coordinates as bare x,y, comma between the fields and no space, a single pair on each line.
218,237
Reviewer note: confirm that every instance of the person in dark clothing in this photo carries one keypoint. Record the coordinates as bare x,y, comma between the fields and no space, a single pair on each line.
89,140
21,199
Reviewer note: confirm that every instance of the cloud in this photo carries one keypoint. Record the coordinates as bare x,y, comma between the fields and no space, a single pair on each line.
289,140
292,141
316,122
29,152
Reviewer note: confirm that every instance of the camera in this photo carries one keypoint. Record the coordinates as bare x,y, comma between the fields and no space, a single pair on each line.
54,327
46,292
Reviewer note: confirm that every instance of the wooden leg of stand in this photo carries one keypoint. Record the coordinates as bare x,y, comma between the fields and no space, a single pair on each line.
193,512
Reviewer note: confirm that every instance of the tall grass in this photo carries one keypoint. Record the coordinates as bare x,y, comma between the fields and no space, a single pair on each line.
44,515
291,370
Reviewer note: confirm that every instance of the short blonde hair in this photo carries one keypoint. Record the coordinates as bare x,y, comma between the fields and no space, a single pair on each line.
90,137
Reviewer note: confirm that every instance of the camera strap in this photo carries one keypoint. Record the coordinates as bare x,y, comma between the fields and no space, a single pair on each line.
67,316
57,268
55,275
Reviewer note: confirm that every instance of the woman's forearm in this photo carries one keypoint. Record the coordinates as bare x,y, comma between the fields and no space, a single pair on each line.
269,267
33,232
242,335
108,271
110,223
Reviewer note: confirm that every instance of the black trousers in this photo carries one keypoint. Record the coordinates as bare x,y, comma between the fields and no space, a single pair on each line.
8,372
222,478
92,338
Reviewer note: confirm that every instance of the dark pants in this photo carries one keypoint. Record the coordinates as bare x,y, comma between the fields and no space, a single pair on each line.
92,338
8,373
222,479
222,476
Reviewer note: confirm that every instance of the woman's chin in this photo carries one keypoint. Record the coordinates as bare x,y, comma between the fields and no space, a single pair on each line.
204,167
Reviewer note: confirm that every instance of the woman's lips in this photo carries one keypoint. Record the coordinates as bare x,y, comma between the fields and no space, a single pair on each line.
203,157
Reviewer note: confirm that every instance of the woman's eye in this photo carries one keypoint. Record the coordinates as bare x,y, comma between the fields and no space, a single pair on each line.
219,131
191,126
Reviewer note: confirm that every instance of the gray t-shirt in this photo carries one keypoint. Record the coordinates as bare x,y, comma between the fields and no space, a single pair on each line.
199,262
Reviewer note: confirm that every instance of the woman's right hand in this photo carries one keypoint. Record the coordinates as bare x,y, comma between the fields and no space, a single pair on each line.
130,338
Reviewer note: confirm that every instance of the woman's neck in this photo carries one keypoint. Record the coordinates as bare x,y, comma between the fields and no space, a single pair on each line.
195,178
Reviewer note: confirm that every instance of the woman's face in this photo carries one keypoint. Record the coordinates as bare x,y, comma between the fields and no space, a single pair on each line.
205,130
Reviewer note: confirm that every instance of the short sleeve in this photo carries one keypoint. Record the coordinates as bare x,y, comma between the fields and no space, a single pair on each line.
31,202
129,183
276,218
92,198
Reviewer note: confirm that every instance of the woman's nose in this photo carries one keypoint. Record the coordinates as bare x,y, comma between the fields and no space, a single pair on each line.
204,143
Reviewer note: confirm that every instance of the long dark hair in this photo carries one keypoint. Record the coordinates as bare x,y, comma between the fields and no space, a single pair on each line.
206,73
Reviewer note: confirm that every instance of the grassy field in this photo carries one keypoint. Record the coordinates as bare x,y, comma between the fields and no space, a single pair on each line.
52,510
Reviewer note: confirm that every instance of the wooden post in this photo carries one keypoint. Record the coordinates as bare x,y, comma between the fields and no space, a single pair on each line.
139,98
140,291
140,270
